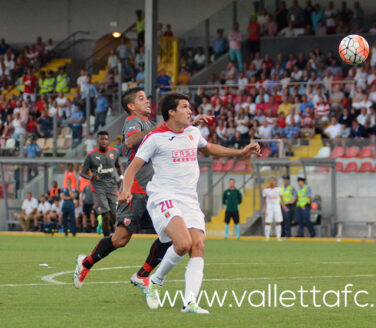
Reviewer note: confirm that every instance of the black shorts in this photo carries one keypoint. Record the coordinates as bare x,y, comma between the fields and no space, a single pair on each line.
134,215
105,201
88,209
233,215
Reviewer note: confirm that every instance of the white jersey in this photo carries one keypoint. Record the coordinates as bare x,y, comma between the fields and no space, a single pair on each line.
273,196
174,159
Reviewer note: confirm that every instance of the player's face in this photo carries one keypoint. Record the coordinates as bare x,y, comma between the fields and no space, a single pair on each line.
273,182
232,184
103,141
141,104
183,113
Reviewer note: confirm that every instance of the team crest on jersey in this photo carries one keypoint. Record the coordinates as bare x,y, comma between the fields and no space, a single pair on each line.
167,215
127,222
112,156
190,137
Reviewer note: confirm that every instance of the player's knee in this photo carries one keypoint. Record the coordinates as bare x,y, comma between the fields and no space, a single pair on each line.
198,246
183,246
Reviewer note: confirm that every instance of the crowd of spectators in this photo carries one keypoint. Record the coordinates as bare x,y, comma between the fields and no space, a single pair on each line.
289,98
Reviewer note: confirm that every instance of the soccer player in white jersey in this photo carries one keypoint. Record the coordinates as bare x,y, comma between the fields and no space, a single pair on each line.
173,201
272,208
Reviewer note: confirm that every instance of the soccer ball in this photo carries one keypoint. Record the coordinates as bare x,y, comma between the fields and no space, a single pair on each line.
353,49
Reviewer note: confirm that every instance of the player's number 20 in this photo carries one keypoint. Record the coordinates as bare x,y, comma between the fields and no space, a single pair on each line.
166,205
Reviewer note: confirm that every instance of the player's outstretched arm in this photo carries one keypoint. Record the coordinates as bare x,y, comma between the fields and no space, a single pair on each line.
134,140
218,150
126,195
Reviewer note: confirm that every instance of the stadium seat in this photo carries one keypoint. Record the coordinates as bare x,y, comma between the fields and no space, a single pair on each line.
366,152
41,142
351,167
321,169
366,167
60,143
10,144
339,166
352,152
228,165
265,153
240,166
324,152
49,145
337,152
204,169
217,166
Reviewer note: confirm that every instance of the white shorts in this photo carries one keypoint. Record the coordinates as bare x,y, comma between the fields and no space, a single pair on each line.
273,213
161,214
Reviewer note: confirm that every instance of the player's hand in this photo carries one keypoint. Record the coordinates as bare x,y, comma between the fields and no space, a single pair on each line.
94,178
253,148
202,118
285,208
125,197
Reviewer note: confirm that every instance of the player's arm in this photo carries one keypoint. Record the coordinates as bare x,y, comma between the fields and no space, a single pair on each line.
224,197
218,150
264,205
85,170
135,139
129,175
118,166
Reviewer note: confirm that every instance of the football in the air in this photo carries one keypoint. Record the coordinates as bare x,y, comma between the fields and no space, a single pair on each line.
353,49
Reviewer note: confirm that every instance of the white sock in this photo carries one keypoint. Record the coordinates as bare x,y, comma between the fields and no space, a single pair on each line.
170,260
267,230
278,230
193,279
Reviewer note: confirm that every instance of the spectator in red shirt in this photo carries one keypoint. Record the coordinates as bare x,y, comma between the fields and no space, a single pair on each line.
32,126
282,120
254,36
30,82
214,97
168,31
268,62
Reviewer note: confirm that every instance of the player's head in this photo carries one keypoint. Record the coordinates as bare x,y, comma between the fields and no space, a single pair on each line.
103,141
231,183
135,102
273,181
175,106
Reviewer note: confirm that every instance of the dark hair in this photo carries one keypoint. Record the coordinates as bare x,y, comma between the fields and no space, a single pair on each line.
129,97
170,101
102,133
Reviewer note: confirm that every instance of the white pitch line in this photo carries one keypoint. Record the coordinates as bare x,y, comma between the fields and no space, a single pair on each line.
50,279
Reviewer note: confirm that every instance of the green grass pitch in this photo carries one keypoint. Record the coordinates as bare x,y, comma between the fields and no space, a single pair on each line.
109,300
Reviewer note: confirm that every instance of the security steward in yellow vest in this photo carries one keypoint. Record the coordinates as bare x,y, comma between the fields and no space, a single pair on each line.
48,83
140,27
289,196
304,208
62,81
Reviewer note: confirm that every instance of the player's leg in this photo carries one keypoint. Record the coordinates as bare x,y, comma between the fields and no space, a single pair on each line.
268,223
36,221
278,220
72,216
65,220
28,220
227,221
177,231
195,268
155,256
236,221
105,246
106,225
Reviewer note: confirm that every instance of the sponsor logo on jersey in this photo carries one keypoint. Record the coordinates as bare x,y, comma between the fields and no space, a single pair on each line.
127,222
184,155
112,156
190,137
167,215
172,138
101,170
97,157
132,128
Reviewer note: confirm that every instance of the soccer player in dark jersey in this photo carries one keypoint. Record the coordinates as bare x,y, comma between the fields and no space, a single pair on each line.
130,216
102,162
